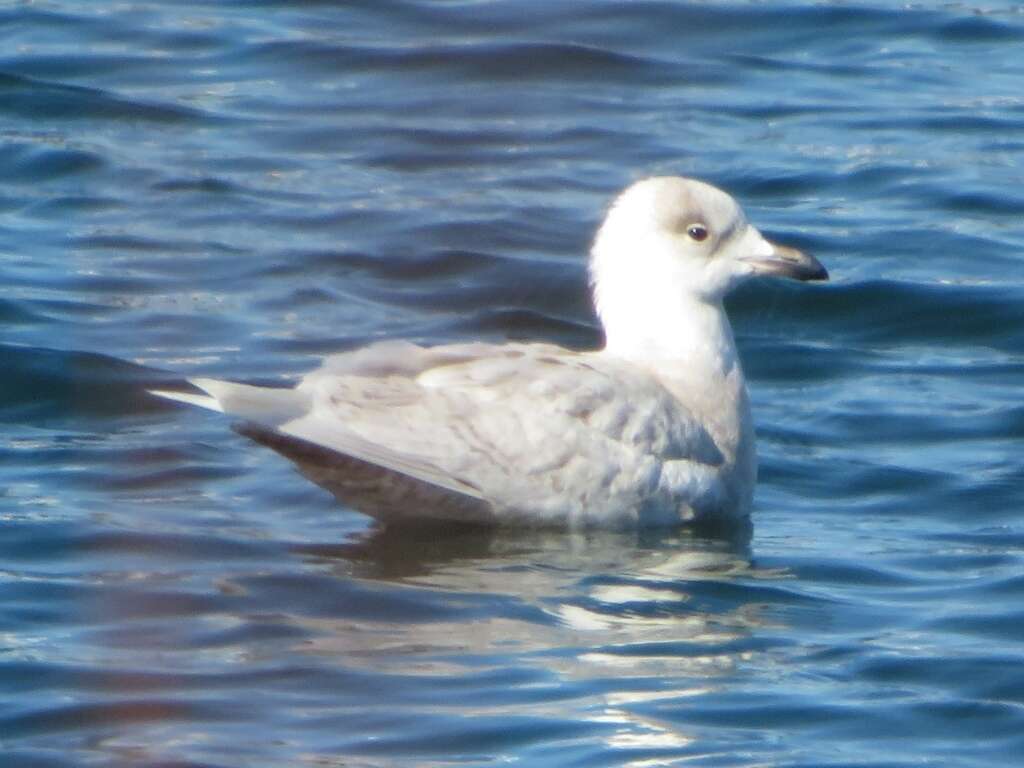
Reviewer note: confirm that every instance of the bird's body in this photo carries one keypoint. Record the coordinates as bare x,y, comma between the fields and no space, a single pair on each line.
653,429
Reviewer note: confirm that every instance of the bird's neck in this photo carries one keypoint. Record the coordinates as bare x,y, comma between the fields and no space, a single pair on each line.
689,337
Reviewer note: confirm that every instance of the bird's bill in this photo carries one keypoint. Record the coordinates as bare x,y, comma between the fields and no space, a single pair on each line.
783,261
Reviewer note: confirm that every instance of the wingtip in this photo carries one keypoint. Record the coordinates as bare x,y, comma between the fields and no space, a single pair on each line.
203,401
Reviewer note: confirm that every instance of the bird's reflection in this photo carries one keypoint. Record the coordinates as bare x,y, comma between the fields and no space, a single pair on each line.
638,624
619,587
407,552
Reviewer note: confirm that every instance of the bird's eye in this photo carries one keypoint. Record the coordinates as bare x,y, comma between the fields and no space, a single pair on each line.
697,232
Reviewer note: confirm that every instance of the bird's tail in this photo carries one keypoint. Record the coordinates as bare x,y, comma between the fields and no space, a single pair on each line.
264,405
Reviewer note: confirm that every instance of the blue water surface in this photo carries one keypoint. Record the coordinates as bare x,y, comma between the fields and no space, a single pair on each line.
236,189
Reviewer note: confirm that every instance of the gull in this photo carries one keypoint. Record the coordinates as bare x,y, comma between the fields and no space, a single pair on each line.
653,429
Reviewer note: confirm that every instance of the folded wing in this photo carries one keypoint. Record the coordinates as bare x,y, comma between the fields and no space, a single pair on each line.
514,430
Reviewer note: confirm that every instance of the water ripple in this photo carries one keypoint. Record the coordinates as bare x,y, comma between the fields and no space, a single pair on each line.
237,190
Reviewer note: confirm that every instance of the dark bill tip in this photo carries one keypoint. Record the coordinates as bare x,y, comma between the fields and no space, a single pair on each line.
791,263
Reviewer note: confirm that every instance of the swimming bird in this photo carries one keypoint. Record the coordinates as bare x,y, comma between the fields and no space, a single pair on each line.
654,428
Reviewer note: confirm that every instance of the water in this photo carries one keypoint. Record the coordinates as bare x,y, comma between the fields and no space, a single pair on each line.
236,189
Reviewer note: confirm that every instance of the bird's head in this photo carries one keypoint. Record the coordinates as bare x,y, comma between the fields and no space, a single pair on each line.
692,235
671,248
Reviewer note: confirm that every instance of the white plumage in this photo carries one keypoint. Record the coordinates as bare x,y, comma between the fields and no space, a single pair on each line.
654,429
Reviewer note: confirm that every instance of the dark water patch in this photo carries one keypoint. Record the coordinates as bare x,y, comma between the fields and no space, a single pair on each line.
429,139
166,633
684,649
971,370
460,282
115,715
988,204
77,67
205,186
44,386
708,26
343,223
140,480
18,313
418,162
985,538
490,62
126,604
92,485
866,482
882,177
770,109
292,679
264,632
979,29
477,738
770,64
10,203
777,186
923,428
977,719
993,498
40,758
794,473
931,193
38,99
127,242
413,267
901,312
110,290
26,677
105,285
29,543
212,190
303,297
78,311
849,574
767,359
947,121
38,603
54,26
70,205
23,163
981,571
539,236
753,711
345,685
978,674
